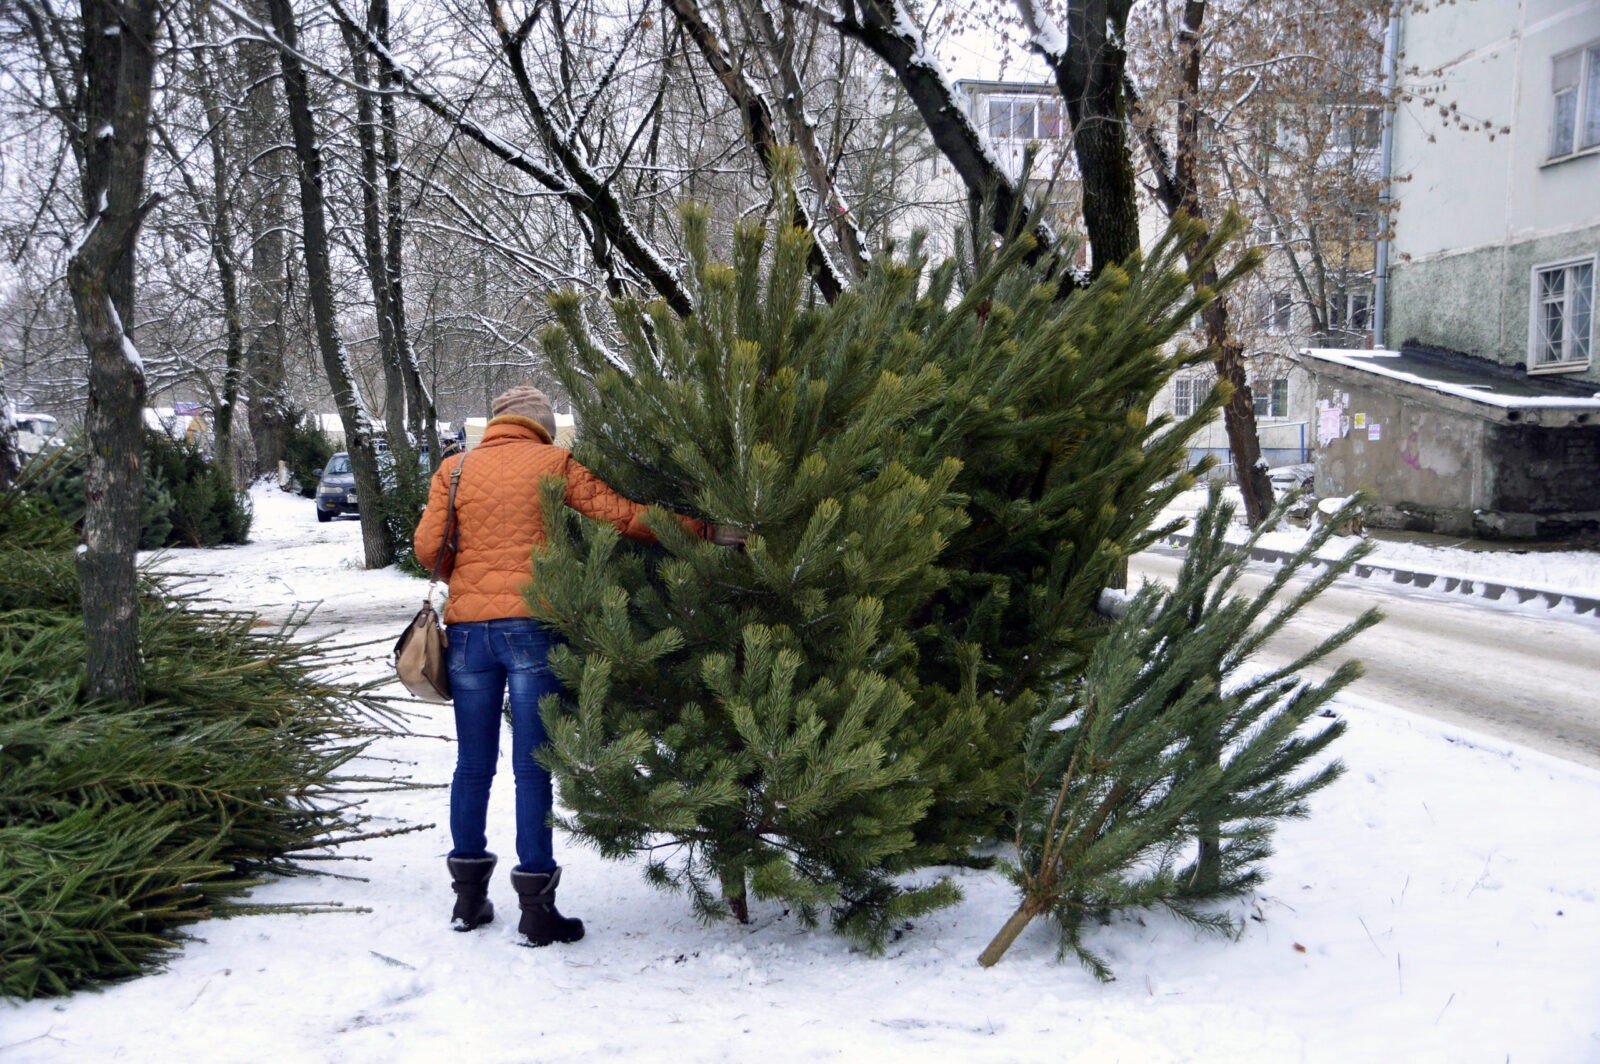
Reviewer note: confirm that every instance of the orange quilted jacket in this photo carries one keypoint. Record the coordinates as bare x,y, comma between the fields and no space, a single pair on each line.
498,514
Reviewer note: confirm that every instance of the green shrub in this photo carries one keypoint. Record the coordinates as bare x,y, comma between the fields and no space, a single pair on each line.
404,497
188,499
306,449
205,510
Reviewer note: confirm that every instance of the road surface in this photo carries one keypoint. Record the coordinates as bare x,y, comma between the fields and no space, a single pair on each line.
1527,676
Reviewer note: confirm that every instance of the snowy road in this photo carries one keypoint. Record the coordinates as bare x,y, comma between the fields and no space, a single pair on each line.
1528,675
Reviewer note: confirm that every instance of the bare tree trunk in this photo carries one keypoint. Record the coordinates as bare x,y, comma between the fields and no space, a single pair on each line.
779,44
219,205
118,64
10,456
1178,190
357,427
877,25
419,397
266,391
372,233
1089,76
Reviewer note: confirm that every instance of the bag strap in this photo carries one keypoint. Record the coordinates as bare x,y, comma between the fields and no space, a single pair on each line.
451,531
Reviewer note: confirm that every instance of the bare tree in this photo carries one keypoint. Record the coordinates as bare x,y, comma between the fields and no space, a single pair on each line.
1267,112
358,430
117,63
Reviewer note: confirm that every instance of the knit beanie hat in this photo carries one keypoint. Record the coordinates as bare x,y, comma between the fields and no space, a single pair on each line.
527,401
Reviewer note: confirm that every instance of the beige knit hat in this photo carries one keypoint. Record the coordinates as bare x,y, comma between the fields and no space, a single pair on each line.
527,401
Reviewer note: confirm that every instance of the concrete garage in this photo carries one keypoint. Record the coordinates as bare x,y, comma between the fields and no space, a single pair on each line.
1442,442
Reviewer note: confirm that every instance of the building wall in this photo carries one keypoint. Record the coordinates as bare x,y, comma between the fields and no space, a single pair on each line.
1477,302
1479,207
1425,467
1441,470
1545,469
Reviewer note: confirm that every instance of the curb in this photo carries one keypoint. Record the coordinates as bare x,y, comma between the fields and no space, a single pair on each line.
1477,587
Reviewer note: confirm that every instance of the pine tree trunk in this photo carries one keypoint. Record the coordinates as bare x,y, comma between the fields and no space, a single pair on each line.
319,278
118,65
1008,933
733,893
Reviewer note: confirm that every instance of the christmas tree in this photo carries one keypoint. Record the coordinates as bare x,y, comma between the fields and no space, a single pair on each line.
938,473
1157,778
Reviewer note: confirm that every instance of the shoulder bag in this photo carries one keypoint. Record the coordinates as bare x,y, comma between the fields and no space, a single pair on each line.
421,654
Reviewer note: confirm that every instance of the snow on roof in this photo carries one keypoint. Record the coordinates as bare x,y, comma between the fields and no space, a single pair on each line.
1463,377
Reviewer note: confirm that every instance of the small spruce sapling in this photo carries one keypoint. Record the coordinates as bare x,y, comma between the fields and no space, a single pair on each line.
1157,779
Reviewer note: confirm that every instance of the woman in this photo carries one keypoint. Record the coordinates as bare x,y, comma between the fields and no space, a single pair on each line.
496,643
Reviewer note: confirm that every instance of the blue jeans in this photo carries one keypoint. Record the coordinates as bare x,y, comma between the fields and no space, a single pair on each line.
484,657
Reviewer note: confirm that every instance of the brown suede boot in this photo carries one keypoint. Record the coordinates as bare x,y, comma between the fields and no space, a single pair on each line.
470,880
541,923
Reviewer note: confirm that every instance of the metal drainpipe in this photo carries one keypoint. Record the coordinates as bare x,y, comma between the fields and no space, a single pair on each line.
1380,284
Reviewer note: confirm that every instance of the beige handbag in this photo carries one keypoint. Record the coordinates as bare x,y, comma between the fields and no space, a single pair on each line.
421,654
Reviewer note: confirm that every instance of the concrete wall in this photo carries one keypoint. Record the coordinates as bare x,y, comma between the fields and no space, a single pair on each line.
1442,470
1478,302
1479,207
1426,466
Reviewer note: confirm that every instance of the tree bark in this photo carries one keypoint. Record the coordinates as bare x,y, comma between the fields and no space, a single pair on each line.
223,253
358,432
419,397
118,67
1178,190
373,231
1089,76
265,377
1008,934
10,455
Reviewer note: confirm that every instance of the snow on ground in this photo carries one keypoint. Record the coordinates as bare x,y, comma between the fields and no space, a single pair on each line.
1441,904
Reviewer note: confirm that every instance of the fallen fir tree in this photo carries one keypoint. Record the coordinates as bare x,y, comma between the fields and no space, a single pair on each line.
938,473
121,825
1157,778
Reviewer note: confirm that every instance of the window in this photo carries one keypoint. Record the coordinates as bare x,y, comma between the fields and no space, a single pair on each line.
1575,83
1275,311
1188,393
1271,396
1356,129
1561,325
1350,311
1025,118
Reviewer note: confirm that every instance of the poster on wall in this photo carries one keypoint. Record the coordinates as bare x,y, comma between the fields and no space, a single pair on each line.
1361,421
1328,425
1374,432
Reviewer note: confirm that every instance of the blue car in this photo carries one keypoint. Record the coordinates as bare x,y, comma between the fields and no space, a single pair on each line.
336,488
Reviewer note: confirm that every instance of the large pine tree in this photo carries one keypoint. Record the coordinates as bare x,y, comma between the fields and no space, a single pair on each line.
938,474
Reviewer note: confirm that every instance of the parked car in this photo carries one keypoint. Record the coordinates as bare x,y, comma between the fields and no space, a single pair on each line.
1289,478
336,484
336,488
